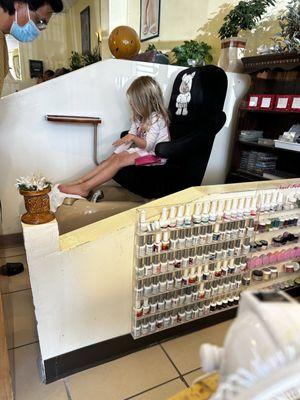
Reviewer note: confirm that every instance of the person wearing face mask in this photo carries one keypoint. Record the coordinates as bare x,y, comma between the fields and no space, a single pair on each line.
24,20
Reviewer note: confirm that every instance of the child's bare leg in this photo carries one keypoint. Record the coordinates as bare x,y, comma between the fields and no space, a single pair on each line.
113,165
92,173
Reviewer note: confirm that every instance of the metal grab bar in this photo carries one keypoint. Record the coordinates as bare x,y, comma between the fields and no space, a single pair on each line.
95,121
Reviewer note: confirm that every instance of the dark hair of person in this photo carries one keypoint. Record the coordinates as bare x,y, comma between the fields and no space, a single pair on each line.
56,5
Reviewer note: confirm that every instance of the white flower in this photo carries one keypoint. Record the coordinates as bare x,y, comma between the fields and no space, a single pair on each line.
35,182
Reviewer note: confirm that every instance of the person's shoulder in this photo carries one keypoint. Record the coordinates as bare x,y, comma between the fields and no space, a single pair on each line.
158,119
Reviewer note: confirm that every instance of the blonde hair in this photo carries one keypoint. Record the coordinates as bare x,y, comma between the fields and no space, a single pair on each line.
145,97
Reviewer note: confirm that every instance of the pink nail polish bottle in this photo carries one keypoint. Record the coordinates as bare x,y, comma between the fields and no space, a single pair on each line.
265,259
273,258
259,261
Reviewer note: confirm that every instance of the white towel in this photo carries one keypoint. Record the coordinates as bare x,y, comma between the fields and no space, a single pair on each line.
57,197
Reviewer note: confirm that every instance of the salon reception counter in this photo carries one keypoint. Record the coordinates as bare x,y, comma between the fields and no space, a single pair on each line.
82,283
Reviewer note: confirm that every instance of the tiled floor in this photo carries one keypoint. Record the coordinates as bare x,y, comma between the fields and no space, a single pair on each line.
156,373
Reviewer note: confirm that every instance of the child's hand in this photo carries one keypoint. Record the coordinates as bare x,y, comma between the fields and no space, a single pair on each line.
129,138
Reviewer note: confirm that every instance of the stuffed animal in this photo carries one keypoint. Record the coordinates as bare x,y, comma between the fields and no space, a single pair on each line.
184,96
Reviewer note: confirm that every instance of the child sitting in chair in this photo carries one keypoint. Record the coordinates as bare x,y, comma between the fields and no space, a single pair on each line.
149,126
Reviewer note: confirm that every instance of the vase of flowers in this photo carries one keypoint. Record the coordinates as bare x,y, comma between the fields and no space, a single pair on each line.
244,16
35,190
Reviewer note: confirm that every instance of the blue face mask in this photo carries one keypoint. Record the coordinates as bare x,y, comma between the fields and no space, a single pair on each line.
26,33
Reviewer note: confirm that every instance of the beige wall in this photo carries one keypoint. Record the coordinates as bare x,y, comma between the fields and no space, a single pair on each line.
74,26
201,19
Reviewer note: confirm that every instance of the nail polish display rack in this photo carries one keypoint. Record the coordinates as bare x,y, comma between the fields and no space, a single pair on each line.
194,259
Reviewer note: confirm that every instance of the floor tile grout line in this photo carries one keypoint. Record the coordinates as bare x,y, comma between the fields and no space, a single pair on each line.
193,370
15,291
67,389
154,387
23,345
172,362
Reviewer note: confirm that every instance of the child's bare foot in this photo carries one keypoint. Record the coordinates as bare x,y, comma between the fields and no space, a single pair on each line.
74,189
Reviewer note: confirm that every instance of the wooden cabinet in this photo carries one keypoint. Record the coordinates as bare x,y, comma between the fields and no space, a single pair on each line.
270,74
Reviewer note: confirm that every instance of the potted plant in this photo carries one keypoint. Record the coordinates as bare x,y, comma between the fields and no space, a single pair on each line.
35,190
192,53
289,22
244,16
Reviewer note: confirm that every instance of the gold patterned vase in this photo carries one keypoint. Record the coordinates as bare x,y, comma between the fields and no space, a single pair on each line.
37,205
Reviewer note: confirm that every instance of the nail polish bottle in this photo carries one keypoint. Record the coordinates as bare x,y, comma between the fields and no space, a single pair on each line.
197,213
146,307
201,291
250,228
232,284
163,263
162,284
185,259
237,247
206,307
209,234
173,318
214,289
220,286
139,290
240,209
181,240
235,230
170,281
279,205
164,221
218,270
141,248
188,237
224,268
165,241
231,267
205,254
236,300
149,244
192,276
195,236
230,250
187,215
229,228
175,300
192,256
225,249
222,231
185,277
153,305
202,236
234,208
220,211
181,315
268,202
195,293
226,285
216,233
145,326
168,301
238,281
219,251
138,309
188,295
152,324
147,287
225,302
195,312
142,221
227,212
253,206
199,258
157,244
178,280
207,291
147,266
137,329
155,265
242,229
246,246
167,320
172,217
171,261
178,259
212,252
213,211
161,303
205,212
155,285
182,297
246,213
274,201
180,218
199,273
139,270
159,321
188,313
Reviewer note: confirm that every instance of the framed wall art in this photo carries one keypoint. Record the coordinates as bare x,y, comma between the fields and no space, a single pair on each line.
149,19
85,30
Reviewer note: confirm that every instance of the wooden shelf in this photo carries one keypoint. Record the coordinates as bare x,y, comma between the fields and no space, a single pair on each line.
281,61
265,146
269,111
